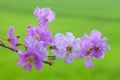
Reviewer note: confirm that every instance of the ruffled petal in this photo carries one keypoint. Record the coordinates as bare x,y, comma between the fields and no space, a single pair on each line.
38,64
88,62
69,58
28,67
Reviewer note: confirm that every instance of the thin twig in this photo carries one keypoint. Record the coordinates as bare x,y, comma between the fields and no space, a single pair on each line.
49,63
21,45
3,45
51,57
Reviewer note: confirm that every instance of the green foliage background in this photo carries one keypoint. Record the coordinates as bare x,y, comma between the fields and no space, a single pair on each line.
77,16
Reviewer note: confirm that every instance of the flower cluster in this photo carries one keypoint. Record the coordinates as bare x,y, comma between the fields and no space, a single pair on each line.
93,46
39,39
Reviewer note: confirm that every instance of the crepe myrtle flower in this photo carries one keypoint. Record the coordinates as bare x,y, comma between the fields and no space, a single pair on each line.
34,55
44,15
12,38
66,46
40,34
93,47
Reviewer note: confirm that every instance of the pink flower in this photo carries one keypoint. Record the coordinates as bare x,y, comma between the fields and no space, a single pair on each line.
44,16
34,55
12,38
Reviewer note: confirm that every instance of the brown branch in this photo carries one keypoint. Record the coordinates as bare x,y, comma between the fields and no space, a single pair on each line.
3,45
21,45
51,57
49,63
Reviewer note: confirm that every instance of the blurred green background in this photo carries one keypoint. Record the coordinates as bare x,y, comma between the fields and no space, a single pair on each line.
77,16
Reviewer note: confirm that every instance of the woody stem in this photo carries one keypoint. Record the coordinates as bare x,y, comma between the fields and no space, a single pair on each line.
3,45
49,63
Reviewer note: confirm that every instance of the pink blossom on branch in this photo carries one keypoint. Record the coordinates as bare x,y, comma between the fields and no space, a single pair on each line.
39,39
13,40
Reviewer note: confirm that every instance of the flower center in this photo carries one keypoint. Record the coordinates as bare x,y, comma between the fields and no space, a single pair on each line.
69,48
30,59
97,48
37,36
46,19
88,51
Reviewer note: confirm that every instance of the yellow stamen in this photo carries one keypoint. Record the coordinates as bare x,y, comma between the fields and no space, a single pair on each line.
37,36
69,48
30,59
